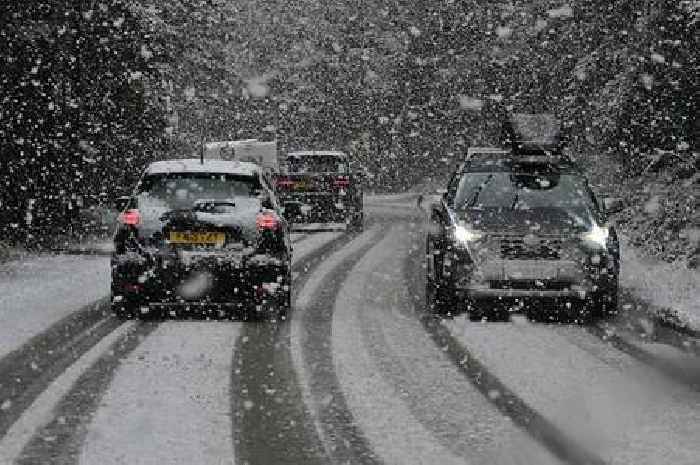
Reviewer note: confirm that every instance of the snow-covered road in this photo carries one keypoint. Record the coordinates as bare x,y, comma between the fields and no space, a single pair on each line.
360,374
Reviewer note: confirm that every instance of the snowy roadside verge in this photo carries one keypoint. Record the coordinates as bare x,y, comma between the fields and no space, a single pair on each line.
37,291
96,246
671,289
92,246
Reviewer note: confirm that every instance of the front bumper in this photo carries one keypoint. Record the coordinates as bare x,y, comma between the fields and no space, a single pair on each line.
529,279
483,292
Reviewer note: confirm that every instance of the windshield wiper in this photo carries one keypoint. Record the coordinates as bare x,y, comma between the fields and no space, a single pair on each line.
475,195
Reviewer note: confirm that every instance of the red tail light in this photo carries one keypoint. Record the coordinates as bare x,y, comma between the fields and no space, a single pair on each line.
267,221
131,217
284,183
341,182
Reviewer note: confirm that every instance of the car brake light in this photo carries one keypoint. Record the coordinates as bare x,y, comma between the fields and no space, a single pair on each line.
266,221
341,182
131,217
284,182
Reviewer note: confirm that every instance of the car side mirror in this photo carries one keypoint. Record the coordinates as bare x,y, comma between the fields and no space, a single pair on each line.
436,213
441,192
122,202
613,204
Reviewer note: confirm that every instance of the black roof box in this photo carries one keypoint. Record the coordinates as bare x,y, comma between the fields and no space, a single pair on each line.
532,134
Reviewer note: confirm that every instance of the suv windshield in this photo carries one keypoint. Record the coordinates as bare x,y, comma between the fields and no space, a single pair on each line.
522,191
317,164
183,190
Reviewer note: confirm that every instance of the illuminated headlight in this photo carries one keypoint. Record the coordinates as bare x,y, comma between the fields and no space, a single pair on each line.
597,237
464,236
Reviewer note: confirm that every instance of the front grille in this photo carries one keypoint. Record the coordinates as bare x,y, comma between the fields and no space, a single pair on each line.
518,248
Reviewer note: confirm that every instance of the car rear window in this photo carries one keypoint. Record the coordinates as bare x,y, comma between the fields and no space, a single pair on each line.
316,164
183,190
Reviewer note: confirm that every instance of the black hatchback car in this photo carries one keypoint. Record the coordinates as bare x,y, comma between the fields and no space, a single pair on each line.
202,235
521,231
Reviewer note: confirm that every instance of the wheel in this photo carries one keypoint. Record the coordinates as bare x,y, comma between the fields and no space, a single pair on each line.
285,305
275,306
489,310
357,222
440,298
474,312
125,309
604,303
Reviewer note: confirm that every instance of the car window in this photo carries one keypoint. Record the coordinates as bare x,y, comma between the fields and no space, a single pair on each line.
183,190
317,164
523,191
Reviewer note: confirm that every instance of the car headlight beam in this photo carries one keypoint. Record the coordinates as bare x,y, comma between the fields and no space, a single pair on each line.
597,236
464,236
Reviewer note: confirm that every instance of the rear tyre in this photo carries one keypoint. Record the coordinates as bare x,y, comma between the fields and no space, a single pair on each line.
440,299
285,305
357,222
605,302
125,309
474,313
489,310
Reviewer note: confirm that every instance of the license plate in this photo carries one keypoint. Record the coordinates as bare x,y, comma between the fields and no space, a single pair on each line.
524,269
300,185
207,238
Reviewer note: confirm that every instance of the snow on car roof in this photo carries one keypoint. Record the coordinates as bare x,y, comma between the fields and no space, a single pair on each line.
486,150
472,150
194,165
308,153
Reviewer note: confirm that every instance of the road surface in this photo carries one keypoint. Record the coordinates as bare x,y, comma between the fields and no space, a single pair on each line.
359,374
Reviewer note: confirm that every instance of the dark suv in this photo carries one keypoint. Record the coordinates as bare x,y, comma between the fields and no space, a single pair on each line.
319,187
204,236
512,231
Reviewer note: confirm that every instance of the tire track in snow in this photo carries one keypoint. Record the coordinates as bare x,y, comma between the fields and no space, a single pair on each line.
27,371
270,423
41,412
58,441
414,406
541,429
311,333
688,375
633,328
168,402
622,409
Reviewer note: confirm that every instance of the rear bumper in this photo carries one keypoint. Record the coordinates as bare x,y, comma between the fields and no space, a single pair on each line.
320,207
207,283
